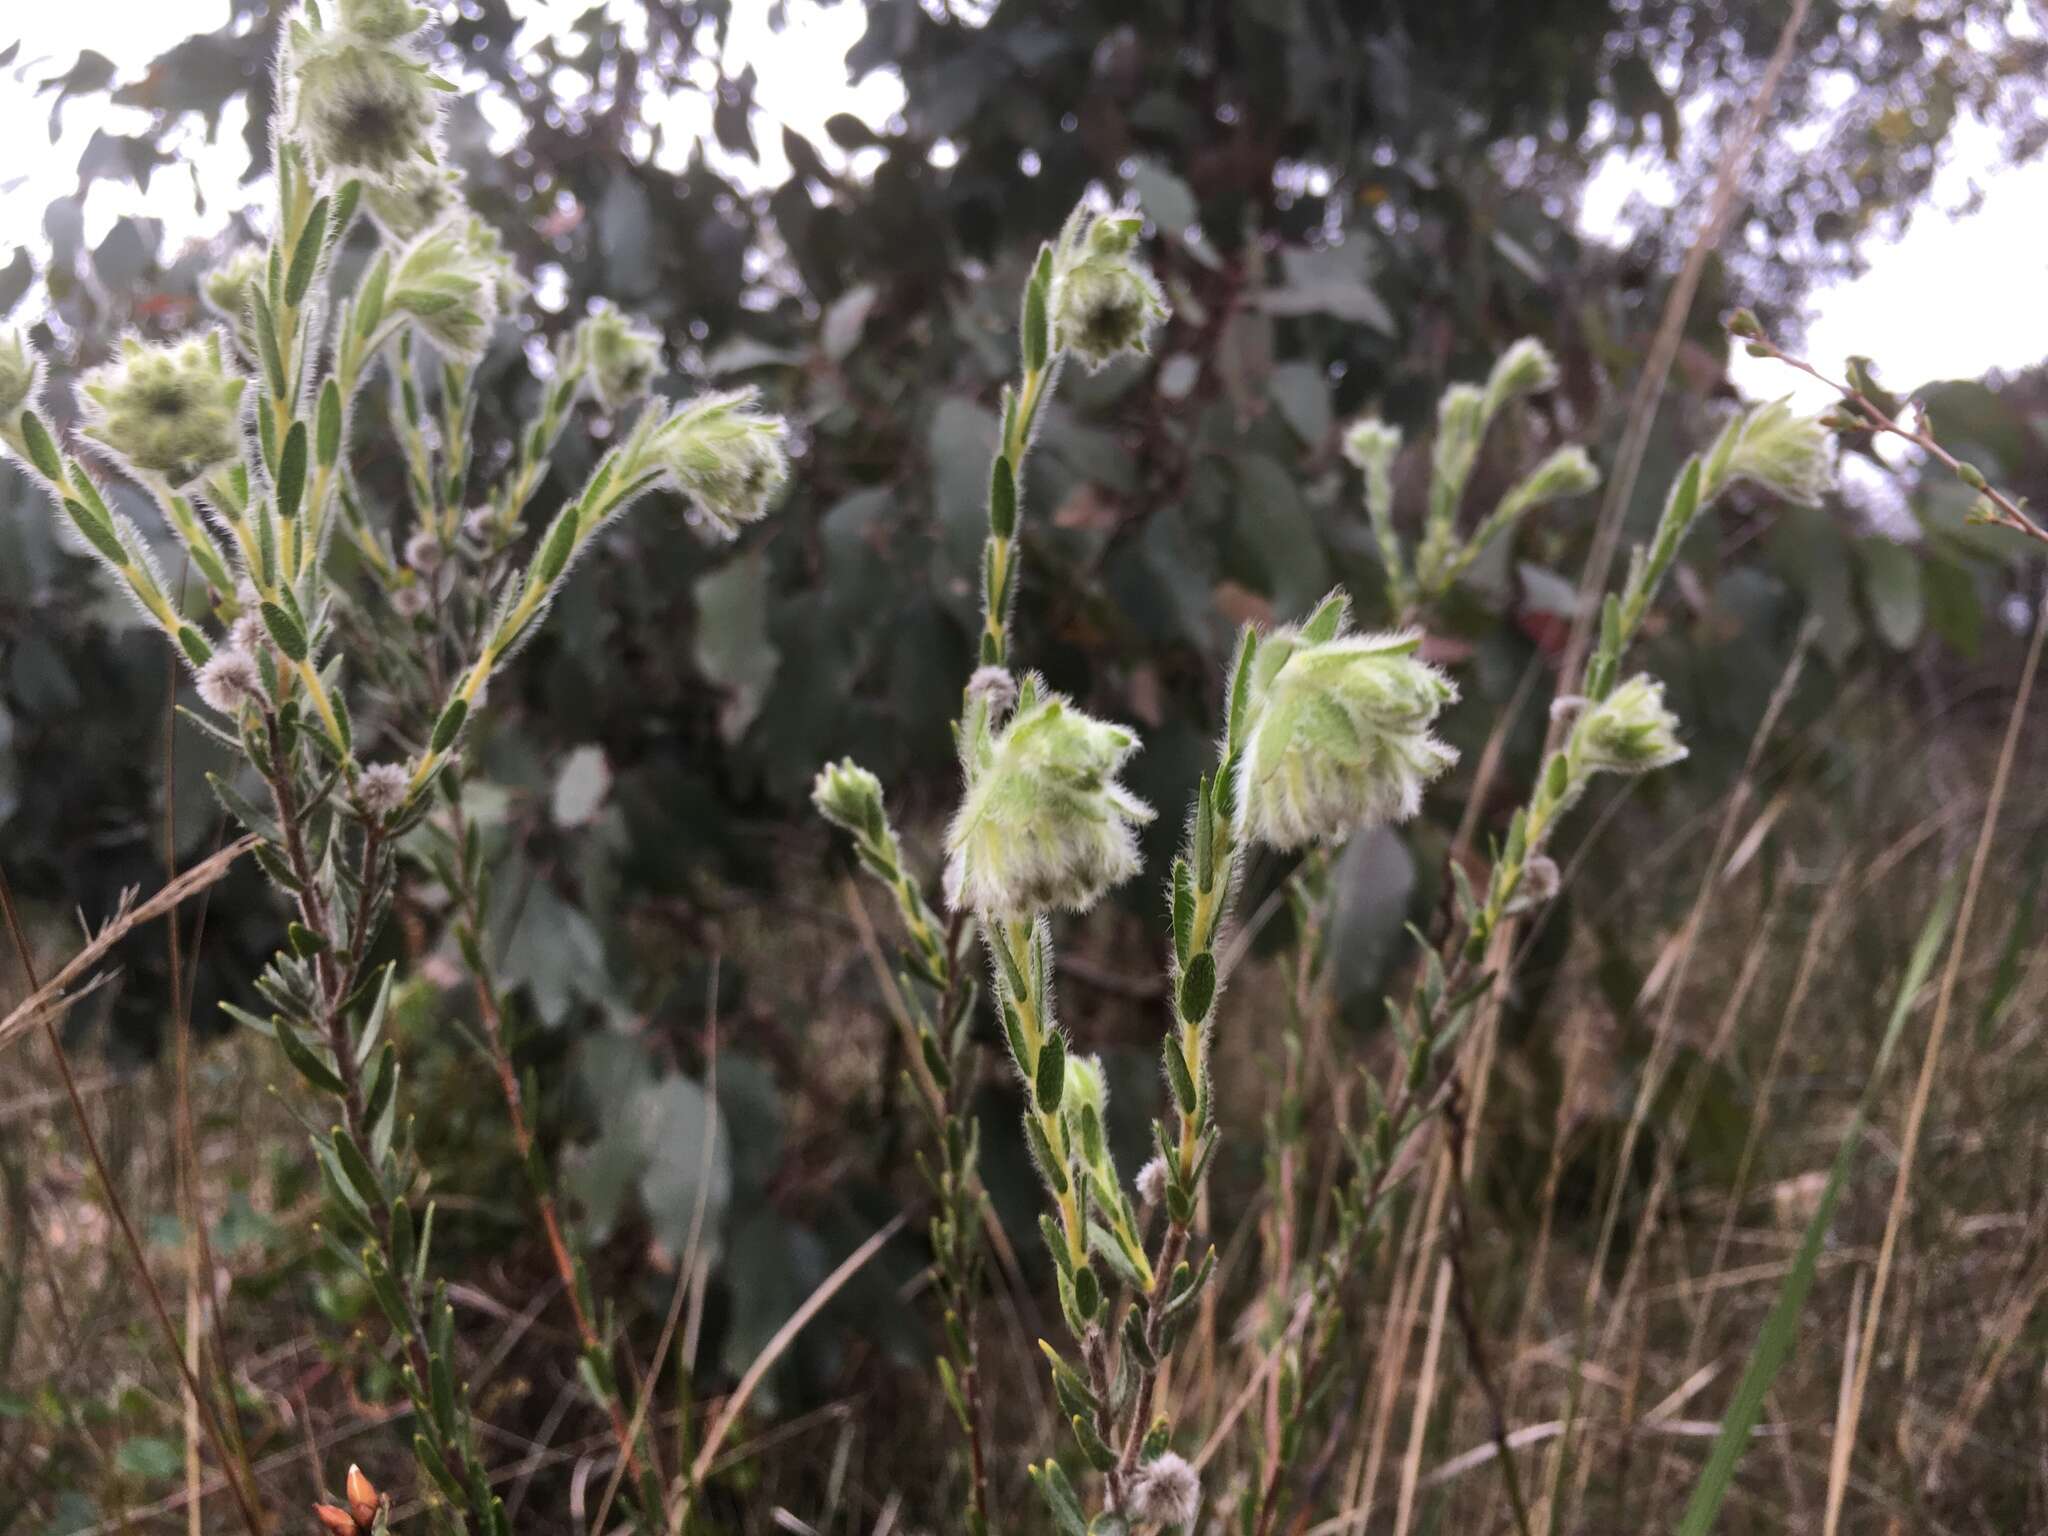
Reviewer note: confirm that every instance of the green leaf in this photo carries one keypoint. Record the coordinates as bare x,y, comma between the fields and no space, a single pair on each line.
309,1065
1198,987
1051,1080
328,441
306,255
1002,498
284,629
42,452
1891,588
291,472
733,647
449,726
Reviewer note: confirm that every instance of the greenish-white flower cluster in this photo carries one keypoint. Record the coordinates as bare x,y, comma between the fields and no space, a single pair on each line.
1340,735
1045,826
359,98
1776,449
1629,731
726,455
173,411
1105,300
620,356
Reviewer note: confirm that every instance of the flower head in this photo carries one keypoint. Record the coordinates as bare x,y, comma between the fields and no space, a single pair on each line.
1166,1491
1152,1181
848,796
229,680
383,788
225,289
169,410
21,373
726,456
1373,446
358,103
1339,735
1526,368
619,356
1629,731
995,687
1770,447
413,200
1105,300
1045,826
423,552
450,282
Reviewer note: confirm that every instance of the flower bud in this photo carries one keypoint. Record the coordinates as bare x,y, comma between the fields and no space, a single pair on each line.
384,20
1339,736
413,200
1105,300
336,1519
1045,826
170,410
229,680
619,356
848,796
1629,731
1567,472
450,284
1084,1087
363,1498
20,373
225,289
1770,447
383,787
1745,325
726,456
1166,1491
1373,446
359,104
1526,368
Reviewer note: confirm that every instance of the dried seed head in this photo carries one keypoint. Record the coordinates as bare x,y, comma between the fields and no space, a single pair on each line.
229,680
726,456
619,356
1105,300
1045,826
1629,731
848,796
1152,1182
171,410
358,104
21,373
382,788
1166,1491
1339,736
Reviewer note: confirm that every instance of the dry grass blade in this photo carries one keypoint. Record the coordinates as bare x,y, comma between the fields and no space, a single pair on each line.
1923,1090
49,999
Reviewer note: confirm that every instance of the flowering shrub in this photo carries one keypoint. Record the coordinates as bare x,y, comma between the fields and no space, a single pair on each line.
1326,732
347,702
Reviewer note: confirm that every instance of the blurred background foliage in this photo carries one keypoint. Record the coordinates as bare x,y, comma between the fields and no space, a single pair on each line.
1351,205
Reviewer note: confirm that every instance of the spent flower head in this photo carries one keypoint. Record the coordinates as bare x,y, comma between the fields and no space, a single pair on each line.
1166,1491
726,456
229,680
1045,826
171,410
383,787
619,355
360,104
1105,300
1629,731
1339,735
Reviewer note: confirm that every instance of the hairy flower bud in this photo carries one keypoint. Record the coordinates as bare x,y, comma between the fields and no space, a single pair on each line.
226,289
1629,731
995,687
1105,300
384,20
619,356
726,456
1339,736
1045,826
169,410
1085,1087
1166,1491
449,282
359,104
1526,368
229,680
20,373
1373,446
848,796
1771,447
413,200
